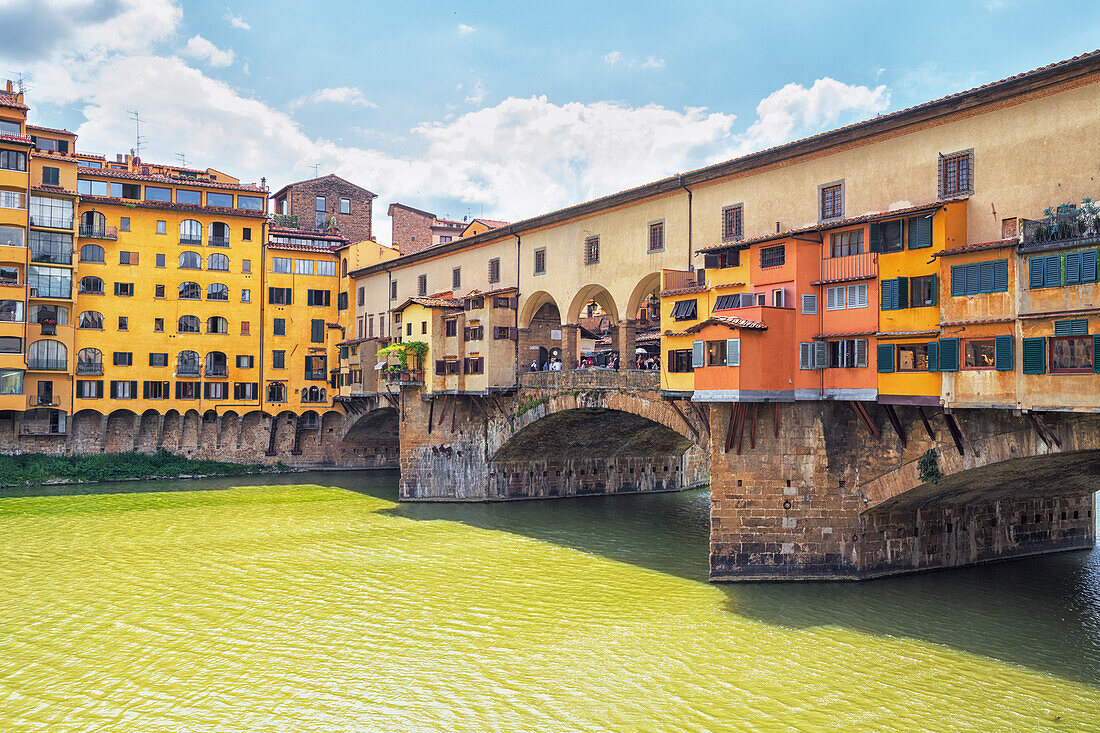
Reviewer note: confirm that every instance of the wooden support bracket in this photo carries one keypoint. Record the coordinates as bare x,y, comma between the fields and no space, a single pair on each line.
865,418
732,429
892,415
927,425
443,412
1043,429
752,433
956,433
776,430
691,426
431,414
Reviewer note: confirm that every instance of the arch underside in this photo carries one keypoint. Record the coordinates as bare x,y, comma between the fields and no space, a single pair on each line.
1047,475
593,433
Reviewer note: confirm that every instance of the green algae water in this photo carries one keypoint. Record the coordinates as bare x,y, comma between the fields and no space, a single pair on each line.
315,602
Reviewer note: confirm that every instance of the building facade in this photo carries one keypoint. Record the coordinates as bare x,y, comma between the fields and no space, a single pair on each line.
328,204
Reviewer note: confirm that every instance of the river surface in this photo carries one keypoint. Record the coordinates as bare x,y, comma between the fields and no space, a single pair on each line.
314,602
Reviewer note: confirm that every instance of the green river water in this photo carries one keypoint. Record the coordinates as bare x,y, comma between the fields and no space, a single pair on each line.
314,602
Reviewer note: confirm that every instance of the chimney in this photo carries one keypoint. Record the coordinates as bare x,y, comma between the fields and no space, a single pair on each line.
10,89
118,157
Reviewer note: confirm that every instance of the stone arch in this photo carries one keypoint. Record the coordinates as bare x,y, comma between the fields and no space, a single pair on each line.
119,436
647,286
599,294
533,305
228,429
148,431
251,431
84,427
192,426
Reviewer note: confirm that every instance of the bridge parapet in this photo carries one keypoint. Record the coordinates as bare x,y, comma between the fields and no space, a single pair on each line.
639,379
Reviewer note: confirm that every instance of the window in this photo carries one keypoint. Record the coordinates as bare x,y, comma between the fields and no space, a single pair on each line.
979,353
446,366
245,390
250,203
979,277
187,324
13,200
189,291
216,364
894,294
732,223
847,354
502,301
494,270
246,328
450,327
50,212
318,297
190,232
456,278
920,232
90,319
215,390
393,292
956,175
684,310
160,260
190,261
474,365
125,191
779,298
716,353
836,298
591,250
422,285
11,311
540,261
317,330
813,355
278,359
89,361
155,390
832,201
89,389
89,285
47,315
218,261
912,357
723,259
922,291
246,295
246,234
886,236
124,224
656,241
857,295
1080,267
244,361
187,390
845,244
502,332
246,265
303,267
276,392
345,206
123,358
217,291
472,333
158,359
679,360
774,256
444,238
224,200
124,290
92,253
51,176
342,301
11,345
123,323
1071,354
158,325
280,264
279,296
13,161
327,269
188,196
187,363
315,368
278,326
217,324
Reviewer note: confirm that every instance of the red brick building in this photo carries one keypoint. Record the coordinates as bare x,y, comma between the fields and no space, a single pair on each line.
416,229
329,200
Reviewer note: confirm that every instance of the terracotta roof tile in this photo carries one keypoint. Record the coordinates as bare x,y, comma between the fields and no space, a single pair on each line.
8,100
846,334
170,206
431,303
978,247
485,294
159,178
16,139
683,291
729,322
302,248
51,129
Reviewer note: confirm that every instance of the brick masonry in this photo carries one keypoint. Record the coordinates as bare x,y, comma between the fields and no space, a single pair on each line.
412,229
301,201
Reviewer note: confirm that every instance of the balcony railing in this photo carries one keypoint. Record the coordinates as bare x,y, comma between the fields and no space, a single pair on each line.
851,267
219,241
89,370
98,232
187,371
41,429
50,365
411,376
217,371
1067,227
677,279
53,221
191,241
40,401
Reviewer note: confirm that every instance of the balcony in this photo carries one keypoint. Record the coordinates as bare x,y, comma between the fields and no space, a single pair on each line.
219,241
51,365
1065,228
191,241
187,371
852,267
52,221
98,232
47,257
409,376
42,401
217,371
678,279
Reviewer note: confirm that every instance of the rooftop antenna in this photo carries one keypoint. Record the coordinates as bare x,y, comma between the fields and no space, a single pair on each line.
139,139
21,83
182,158
316,169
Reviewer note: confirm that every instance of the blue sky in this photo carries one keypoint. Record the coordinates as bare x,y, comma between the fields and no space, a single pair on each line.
506,109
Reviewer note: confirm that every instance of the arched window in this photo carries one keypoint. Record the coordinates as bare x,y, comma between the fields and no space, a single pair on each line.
216,364
313,394
217,324
343,267
91,285
190,291
89,361
217,261
91,319
190,232
219,235
217,291
91,252
276,392
93,221
190,261
188,324
187,363
48,354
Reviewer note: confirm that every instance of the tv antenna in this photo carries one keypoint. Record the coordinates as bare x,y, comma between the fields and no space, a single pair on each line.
139,139
316,169
182,158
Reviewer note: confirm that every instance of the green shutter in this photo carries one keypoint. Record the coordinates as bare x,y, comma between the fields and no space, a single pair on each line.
1073,267
1089,265
901,293
1035,269
1052,271
885,292
1003,354
885,358
935,289
1035,355
1096,354
920,232
874,238
307,367
1000,276
934,356
1072,327
949,355
958,279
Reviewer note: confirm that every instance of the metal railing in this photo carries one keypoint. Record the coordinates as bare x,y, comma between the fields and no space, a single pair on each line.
677,279
217,371
187,371
46,364
1065,227
411,376
850,267
192,241
40,401
93,231
219,241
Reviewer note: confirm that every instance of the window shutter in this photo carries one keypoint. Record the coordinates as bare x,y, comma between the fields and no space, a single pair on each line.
733,352
1003,353
874,239
1035,355
670,361
1088,266
958,279
804,355
920,232
1035,268
1052,270
857,296
307,369
887,294
901,293
1073,327
973,279
440,366
934,356
949,355
935,289
1000,276
513,333
710,260
145,390
821,355
809,304
114,389
861,352
830,299
697,354
985,277
1073,267
1096,354
885,358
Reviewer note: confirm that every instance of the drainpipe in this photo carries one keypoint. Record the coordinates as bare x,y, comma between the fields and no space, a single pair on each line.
262,386
516,368
680,180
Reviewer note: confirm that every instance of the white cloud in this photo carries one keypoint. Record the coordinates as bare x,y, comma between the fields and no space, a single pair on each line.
612,58
477,94
336,95
465,30
652,62
236,21
203,50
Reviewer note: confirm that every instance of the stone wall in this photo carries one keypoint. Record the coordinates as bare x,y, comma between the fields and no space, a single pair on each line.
411,229
355,227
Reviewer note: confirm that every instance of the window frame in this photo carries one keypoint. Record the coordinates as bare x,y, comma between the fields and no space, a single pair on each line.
1089,346
834,210
965,349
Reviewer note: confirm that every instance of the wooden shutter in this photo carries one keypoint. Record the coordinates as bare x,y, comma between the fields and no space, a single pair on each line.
809,304
733,352
1035,269
885,358
934,356
710,260
1035,355
920,232
1003,353
949,355
307,369
901,293
874,238
958,279
1072,327
1000,276
1096,354
821,355
1052,271
114,389
985,277
1089,265
513,334
145,390
861,352
887,294
440,366
698,354
1073,267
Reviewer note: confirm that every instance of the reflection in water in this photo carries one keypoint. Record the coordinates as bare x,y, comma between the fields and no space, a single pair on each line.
267,603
